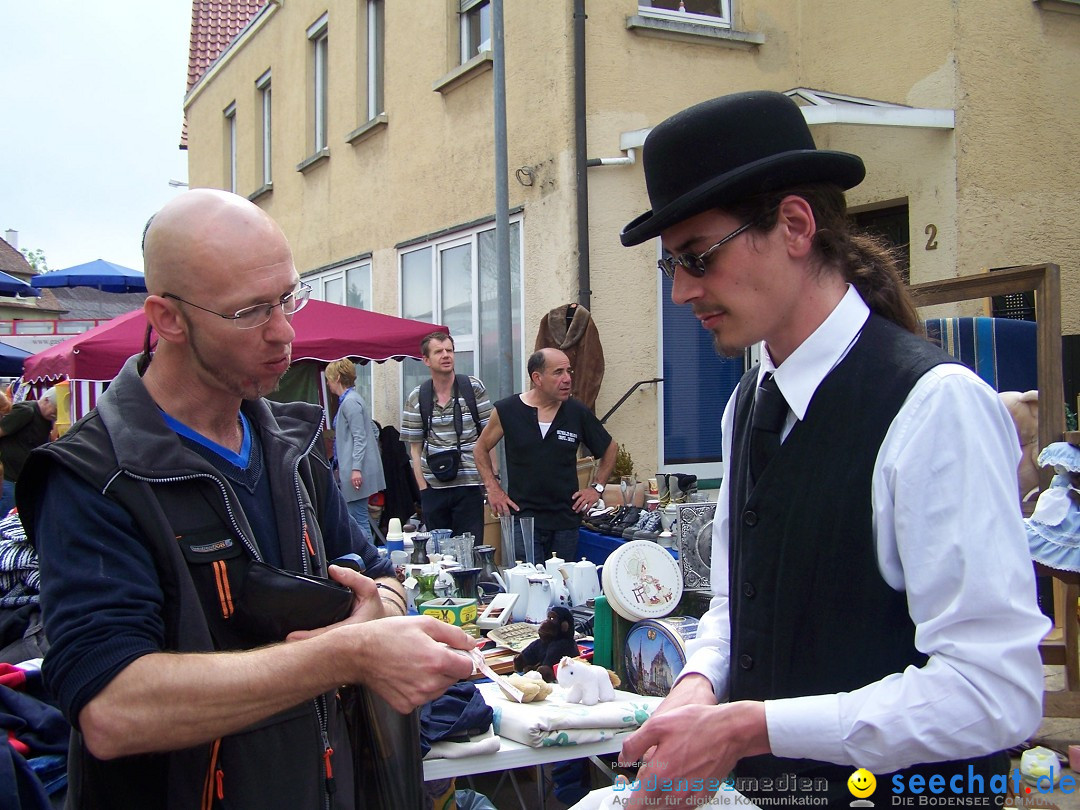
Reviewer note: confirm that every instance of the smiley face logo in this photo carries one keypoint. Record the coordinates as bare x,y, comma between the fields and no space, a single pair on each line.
862,783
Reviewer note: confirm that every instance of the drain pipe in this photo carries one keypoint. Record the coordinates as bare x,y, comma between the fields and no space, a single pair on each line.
580,162
628,160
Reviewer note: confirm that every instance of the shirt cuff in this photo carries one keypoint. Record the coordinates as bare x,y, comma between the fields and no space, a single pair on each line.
713,665
806,727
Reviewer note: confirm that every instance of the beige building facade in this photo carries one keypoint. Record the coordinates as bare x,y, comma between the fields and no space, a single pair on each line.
365,128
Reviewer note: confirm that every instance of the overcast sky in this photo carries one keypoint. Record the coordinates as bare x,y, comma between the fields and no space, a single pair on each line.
91,109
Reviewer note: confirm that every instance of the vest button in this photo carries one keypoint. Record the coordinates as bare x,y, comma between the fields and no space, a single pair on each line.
746,661
750,518
748,590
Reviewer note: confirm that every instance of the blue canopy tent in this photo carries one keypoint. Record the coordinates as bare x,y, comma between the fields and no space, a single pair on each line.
10,285
99,274
11,360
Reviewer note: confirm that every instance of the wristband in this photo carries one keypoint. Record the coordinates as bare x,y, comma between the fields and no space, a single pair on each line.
399,599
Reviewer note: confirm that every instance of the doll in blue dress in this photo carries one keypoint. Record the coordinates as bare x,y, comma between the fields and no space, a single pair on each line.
1053,529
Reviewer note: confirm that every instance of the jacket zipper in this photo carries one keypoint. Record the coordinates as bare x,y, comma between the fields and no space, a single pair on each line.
305,542
214,779
328,752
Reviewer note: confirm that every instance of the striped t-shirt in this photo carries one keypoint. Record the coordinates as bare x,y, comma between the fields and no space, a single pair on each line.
441,434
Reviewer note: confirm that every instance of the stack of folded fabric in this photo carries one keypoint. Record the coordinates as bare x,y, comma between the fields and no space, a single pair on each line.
554,721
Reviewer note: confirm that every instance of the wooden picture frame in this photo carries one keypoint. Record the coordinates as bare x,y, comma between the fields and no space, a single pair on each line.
1045,281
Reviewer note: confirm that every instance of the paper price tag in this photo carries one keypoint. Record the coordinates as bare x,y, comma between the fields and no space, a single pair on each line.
507,688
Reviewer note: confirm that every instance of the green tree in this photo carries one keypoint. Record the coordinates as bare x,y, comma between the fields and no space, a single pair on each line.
37,260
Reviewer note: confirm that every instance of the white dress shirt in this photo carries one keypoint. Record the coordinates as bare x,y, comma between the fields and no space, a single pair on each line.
948,532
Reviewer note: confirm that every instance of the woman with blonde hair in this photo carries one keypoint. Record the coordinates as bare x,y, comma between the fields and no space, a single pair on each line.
356,448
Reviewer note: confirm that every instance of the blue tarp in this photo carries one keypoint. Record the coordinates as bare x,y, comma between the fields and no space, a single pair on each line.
99,274
10,285
11,360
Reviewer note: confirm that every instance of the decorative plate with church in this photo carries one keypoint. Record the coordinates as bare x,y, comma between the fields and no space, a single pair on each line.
655,653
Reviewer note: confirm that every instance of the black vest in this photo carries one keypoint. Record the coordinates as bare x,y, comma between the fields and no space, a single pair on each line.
810,612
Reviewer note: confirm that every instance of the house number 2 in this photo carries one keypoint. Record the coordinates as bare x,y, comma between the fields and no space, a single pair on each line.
931,236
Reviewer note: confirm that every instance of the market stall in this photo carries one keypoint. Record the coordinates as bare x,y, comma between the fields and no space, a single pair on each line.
324,332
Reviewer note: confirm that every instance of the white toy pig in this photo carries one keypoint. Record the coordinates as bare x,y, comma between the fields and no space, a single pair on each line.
583,682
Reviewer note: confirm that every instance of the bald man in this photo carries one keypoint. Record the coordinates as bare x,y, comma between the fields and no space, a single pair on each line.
172,523
543,428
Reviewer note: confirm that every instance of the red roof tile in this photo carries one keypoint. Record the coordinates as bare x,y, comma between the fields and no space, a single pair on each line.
214,24
13,262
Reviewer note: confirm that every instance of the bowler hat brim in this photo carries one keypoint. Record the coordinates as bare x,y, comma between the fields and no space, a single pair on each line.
773,173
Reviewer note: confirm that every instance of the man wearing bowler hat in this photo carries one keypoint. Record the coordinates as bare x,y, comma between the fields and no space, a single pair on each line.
873,598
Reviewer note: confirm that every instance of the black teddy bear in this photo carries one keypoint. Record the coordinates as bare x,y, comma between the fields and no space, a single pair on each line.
556,640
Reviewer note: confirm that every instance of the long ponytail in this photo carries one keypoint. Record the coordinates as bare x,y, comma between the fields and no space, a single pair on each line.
866,261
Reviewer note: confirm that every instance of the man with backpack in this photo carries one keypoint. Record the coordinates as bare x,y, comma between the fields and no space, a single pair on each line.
441,421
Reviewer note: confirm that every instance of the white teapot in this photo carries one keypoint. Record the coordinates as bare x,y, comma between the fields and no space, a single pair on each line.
541,594
584,582
516,580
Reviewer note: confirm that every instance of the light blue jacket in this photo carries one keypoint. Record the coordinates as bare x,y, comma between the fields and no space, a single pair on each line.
356,448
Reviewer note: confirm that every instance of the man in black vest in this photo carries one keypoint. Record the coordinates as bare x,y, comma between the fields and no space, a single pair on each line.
543,428
874,601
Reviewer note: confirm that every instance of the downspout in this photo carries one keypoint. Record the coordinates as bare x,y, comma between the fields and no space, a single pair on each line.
627,160
580,160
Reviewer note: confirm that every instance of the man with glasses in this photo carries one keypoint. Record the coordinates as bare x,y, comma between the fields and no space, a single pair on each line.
186,530
873,598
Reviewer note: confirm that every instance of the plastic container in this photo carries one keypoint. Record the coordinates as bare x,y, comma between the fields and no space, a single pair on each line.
602,633
395,538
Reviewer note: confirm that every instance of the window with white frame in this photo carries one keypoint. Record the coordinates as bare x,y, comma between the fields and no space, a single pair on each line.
697,385
707,12
475,16
348,285
376,11
230,147
453,281
318,34
262,84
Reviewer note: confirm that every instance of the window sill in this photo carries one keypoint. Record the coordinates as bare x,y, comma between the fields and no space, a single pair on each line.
318,157
1064,6
261,191
366,130
698,33
481,63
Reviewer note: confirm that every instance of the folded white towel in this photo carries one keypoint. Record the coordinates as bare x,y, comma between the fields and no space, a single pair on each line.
555,721
486,743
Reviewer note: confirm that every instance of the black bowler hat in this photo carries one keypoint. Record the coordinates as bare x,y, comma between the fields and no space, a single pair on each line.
727,149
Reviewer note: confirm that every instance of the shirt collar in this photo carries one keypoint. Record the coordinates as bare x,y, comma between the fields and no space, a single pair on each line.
799,376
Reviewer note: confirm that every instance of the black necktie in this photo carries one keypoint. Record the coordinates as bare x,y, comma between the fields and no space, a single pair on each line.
767,421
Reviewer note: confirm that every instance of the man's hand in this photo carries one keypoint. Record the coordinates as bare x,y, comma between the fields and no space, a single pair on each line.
693,742
585,499
367,603
500,502
432,665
